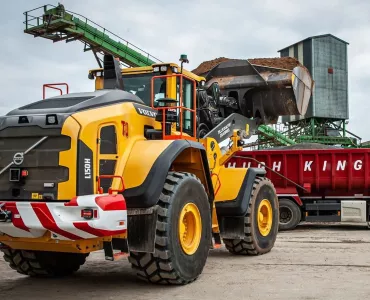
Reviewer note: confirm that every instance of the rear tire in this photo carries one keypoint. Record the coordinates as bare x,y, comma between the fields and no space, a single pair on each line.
43,263
258,239
175,261
289,214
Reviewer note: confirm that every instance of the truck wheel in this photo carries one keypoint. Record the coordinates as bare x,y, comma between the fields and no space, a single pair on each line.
183,233
43,263
289,214
260,223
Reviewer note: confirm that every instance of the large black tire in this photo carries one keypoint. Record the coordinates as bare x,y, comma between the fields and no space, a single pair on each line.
289,214
254,243
169,264
43,263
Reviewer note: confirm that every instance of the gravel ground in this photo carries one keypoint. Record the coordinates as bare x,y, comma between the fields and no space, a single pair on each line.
311,262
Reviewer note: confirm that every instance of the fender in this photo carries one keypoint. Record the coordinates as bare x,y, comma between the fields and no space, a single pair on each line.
141,200
238,207
231,212
147,194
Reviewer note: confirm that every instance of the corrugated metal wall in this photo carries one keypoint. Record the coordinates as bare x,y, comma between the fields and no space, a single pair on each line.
330,98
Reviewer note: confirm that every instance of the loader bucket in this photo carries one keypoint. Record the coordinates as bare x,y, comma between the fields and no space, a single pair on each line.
263,87
302,87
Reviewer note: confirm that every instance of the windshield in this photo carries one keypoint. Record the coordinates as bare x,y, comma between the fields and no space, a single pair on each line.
139,85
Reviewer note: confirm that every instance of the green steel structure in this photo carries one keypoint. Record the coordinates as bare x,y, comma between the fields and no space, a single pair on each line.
57,24
311,130
325,56
323,131
268,137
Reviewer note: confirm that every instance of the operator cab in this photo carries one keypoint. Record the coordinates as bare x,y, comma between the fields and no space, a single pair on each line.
167,88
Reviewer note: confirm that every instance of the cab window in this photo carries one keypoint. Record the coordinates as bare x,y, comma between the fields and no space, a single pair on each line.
188,102
139,85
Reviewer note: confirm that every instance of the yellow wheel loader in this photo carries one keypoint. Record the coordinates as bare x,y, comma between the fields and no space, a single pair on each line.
128,174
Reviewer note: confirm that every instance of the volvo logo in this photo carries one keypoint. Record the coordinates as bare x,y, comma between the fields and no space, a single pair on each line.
18,158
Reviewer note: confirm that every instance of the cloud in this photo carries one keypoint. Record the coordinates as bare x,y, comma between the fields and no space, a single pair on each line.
202,29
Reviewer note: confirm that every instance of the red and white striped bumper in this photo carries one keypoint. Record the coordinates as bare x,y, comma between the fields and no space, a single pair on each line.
64,220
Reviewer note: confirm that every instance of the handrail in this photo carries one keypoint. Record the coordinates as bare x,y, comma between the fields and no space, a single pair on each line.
111,190
51,86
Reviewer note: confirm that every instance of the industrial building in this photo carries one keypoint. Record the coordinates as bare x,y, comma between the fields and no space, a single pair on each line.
325,56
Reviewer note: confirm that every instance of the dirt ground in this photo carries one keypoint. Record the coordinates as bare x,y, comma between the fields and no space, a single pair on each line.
311,262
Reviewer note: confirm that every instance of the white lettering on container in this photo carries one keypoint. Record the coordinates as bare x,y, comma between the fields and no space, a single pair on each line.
276,166
341,165
307,165
357,165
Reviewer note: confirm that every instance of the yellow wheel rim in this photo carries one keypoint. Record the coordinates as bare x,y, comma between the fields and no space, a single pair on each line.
190,228
265,217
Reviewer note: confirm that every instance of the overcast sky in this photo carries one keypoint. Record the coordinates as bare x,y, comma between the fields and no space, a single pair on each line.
202,29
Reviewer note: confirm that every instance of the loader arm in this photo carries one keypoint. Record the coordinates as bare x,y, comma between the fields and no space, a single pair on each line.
225,129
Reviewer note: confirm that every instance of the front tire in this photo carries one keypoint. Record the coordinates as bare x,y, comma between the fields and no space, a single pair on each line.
43,263
260,223
183,233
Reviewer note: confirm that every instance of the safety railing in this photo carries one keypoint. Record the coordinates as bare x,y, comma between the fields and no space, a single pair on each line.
53,86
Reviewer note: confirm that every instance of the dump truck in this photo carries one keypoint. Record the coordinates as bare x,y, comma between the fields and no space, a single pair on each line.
126,173
315,183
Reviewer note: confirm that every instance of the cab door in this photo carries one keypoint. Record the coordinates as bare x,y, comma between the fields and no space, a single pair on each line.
106,154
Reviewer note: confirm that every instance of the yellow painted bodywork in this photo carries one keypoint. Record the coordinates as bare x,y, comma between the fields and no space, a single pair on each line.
226,182
231,180
92,120
141,159
68,159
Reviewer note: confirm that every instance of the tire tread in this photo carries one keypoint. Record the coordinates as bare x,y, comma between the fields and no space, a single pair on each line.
37,263
246,245
160,268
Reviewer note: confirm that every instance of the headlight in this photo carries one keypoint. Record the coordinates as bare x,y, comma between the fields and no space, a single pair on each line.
163,68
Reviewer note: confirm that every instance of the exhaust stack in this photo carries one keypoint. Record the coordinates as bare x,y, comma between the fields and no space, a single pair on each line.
112,73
